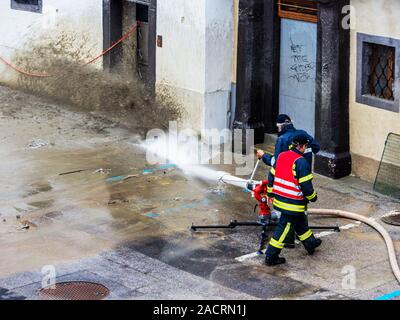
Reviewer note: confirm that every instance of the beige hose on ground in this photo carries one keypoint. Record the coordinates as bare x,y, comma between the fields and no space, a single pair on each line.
373,224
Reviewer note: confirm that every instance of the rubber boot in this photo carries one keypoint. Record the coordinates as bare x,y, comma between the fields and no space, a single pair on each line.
275,261
316,244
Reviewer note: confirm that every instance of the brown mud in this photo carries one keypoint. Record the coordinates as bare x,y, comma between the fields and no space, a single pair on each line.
118,96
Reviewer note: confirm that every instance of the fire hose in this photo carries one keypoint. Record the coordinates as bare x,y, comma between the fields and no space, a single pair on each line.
227,178
385,235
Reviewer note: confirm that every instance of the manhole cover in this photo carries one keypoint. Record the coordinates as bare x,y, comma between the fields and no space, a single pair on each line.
75,290
392,219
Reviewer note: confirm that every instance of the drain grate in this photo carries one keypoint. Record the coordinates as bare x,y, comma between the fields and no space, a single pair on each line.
75,290
392,219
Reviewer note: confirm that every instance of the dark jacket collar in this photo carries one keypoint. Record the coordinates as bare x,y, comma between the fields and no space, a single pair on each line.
297,151
288,128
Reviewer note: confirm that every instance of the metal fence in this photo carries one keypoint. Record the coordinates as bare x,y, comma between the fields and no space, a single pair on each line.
388,178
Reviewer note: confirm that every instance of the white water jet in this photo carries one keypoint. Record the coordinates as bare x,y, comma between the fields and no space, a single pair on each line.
190,156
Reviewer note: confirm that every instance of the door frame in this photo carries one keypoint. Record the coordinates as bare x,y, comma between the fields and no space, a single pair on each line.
305,117
112,31
272,56
257,109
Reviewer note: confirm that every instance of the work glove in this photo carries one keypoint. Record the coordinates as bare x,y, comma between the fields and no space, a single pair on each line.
275,216
250,186
313,200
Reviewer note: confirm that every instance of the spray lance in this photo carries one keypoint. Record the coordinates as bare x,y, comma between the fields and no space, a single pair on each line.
239,182
259,192
258,189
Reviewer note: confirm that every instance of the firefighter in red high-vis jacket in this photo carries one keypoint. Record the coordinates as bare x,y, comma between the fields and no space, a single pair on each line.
290,184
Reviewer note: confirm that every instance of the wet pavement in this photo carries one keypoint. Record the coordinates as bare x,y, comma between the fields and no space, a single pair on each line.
114,219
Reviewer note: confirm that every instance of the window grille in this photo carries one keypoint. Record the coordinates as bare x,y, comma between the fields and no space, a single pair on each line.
380,68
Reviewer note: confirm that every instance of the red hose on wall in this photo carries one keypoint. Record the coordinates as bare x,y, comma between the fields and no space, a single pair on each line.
45,75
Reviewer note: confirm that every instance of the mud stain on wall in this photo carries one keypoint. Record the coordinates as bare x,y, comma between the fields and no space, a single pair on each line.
63,56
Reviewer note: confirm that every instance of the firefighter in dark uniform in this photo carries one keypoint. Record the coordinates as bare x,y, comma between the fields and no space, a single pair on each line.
290,184
286,131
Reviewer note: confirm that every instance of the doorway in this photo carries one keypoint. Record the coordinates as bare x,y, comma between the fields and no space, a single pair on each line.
137,54
298,57
260,63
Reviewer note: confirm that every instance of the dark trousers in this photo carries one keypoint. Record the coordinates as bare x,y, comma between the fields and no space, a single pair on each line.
284,233
291,237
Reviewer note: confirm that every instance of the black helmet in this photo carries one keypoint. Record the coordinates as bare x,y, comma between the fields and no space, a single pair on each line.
283,118
300,139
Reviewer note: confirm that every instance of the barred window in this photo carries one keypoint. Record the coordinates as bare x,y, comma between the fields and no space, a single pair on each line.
27,5
378,67
380,70
304,10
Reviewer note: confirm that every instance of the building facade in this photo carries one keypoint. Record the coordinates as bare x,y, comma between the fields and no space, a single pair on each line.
29,25
374,52
332,65
182,48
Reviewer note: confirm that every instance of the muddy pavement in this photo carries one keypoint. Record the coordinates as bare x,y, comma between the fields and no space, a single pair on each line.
90,207
113,218
106,196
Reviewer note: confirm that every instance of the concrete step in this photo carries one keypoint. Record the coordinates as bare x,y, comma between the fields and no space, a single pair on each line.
269,143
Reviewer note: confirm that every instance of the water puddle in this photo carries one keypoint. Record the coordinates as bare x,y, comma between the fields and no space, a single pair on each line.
42,204
36,188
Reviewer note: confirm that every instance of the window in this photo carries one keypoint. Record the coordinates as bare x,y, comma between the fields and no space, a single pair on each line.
305,10
27,5
379,71
142,12
377,81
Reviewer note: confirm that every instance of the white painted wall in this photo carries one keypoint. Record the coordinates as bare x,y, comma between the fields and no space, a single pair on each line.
219,56
219,44
181,60
235,39
61,19
194,65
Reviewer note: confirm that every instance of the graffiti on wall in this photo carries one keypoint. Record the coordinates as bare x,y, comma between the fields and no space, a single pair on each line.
301,67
